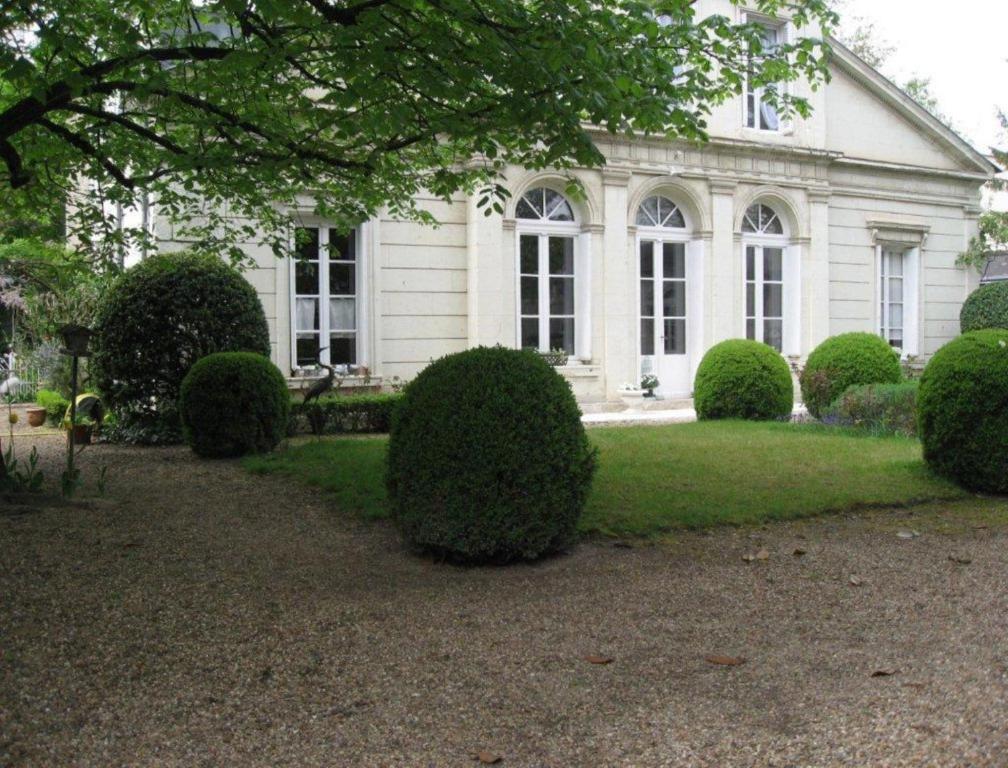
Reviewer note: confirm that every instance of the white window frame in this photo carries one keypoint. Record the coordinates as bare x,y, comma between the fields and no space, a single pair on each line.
759,244
659,236
911,295
790,282
783,126
323,296
544,229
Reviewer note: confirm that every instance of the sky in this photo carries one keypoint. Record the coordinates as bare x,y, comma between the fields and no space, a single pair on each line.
961,46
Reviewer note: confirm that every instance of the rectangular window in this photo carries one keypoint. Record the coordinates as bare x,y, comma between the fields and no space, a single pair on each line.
761,115
647,298
891,294
546,292
764,295
325,297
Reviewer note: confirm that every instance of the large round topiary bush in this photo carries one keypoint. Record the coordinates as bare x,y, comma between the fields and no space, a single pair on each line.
159,318
234,403
743,379
962,410
844,361
488,460
986,307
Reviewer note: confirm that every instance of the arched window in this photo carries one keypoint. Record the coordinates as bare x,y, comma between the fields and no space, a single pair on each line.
765,273
544,204
761,219
548,272
657,211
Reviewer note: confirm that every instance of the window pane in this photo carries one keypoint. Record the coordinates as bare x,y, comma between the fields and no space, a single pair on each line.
530,332
530,255
896,339
773,300
647,336
561,291
343,349
557,207
342,279
674,261
342,314
675,337
561,255
768,118
773,333
306,315
306,277
750,261
530,295
561,334
895,316
527,209
648,214
773,264
647,298
306,243
750,110
750,300
647,259
674,298
342,246
896,289
894,264
750,329
307,349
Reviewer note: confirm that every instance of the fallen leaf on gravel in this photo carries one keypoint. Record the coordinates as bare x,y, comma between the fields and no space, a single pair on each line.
961,559
916,686
856,581
799,552
761,555
724,661
598,659
487,758
908,534
884,672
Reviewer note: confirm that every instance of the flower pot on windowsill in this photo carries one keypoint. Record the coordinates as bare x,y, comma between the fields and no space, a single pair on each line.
36,417
633,399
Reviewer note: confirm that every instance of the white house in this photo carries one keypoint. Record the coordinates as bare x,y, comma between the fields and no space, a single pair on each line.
786,232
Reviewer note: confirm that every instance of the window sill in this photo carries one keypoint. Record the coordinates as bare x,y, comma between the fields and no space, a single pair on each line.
297,383
579,370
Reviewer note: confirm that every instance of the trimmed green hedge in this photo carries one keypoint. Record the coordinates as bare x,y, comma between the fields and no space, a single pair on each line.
155,322
488,460
350,413
234,403
881,409
845,361
743,379
986,307
55,404
962,410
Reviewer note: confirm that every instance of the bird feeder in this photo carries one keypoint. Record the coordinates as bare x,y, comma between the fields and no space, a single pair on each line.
75,341
996,269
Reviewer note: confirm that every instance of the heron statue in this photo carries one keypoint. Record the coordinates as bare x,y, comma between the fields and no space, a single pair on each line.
323,385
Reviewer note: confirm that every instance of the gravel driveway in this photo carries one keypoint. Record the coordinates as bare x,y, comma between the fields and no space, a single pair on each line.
200,616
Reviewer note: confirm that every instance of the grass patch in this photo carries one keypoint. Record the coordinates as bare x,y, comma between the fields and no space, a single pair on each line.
661,478
352,469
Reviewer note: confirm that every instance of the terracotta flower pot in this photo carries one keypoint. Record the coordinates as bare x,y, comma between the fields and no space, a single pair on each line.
36,417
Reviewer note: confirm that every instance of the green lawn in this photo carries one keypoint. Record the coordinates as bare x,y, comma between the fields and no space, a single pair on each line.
656,479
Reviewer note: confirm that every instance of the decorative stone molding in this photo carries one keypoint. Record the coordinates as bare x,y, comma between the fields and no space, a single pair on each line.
509,224
595,229
722,186
616,177
818,195
908,233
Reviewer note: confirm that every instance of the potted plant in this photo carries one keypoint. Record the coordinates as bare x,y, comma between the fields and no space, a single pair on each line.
82,430
36,416
555,357
649,383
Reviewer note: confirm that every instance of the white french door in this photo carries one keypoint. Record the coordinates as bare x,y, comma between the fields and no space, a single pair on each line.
665,317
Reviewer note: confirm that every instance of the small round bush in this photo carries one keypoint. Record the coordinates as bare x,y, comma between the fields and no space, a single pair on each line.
844,361
234,403
986,307
488,460
159,318
962,410
743,379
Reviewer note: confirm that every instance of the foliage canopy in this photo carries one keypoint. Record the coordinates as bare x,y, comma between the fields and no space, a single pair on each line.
346,106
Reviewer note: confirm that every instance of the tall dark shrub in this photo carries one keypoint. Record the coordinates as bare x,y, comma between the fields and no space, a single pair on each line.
488,459
234,403
844,361
159,318
986,307
743,379
962,410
